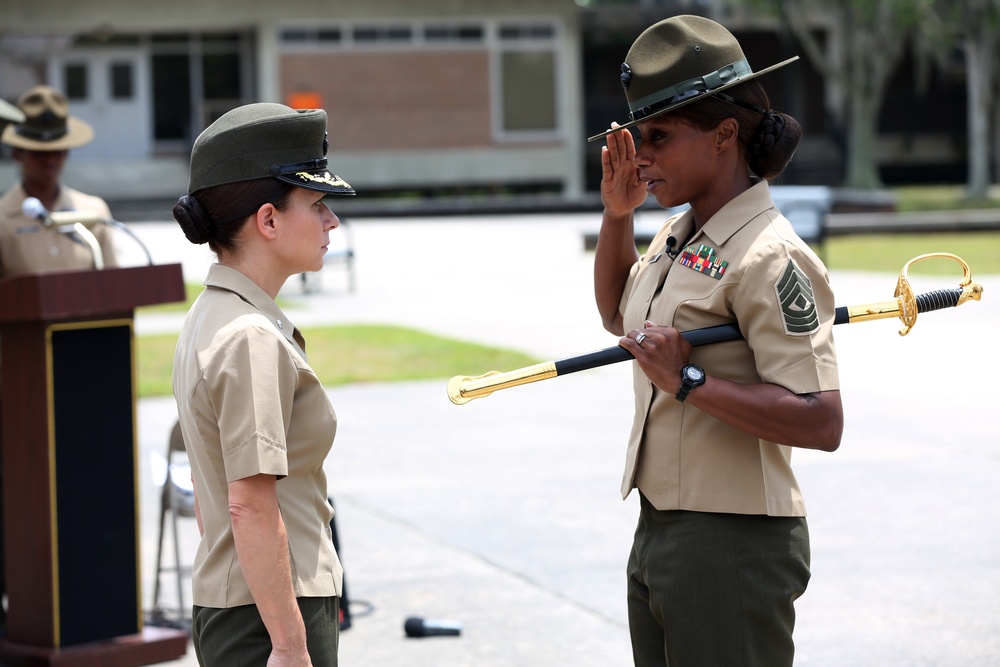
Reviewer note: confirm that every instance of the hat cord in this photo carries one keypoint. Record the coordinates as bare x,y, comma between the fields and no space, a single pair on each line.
742,103
40,135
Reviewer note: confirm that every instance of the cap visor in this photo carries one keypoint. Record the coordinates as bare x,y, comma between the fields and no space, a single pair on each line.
322,180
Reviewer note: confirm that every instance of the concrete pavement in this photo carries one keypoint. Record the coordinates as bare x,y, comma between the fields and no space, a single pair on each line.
504,513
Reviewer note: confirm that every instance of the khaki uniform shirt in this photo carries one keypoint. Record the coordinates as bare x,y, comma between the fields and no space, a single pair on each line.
28,246
249,404
778,292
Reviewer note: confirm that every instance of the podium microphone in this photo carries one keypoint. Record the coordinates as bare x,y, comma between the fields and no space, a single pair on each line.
419,627
33,208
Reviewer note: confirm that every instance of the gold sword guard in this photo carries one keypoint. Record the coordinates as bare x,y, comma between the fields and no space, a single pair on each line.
905,304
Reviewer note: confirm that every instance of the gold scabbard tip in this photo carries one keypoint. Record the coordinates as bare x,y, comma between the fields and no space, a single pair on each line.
457,388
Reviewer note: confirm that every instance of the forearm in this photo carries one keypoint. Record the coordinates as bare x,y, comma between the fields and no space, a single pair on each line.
771,412
262,549
614,257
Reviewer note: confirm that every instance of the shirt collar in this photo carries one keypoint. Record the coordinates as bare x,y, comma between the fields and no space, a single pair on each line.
738,211
224,277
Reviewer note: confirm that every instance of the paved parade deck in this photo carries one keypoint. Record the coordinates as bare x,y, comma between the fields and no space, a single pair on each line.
504,514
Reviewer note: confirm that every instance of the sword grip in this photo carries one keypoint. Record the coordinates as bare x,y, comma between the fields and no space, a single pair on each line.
938,299
612,355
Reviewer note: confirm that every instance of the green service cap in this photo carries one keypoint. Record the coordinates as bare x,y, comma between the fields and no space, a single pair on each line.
265,140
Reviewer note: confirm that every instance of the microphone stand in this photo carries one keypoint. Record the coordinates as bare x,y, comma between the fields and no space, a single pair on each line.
88,237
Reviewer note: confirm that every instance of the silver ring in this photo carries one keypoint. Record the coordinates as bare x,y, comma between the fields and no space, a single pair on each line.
641,337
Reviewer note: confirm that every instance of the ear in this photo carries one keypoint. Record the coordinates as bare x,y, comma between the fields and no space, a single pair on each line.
266,221
727,133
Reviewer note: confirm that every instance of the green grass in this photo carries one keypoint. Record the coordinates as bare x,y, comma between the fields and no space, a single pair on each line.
192,291
941,198
354,353
889,252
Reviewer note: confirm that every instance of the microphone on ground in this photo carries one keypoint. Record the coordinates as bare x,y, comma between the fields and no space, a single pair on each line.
421,627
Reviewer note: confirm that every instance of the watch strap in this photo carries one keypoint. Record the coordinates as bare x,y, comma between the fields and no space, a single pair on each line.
683,392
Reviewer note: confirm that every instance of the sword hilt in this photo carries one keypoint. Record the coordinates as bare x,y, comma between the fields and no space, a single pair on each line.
908,305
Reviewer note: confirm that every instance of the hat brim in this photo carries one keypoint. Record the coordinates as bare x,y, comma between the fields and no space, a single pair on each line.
10,113
318,179
695,98
78,133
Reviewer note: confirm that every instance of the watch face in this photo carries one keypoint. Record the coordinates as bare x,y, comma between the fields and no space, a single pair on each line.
694,373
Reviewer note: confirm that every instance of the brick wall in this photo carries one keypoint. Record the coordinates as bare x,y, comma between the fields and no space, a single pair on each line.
397,100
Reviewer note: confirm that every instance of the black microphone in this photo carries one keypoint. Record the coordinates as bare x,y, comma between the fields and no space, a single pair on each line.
420,627
671,253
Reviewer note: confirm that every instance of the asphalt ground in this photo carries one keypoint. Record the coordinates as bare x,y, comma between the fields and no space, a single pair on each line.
504,514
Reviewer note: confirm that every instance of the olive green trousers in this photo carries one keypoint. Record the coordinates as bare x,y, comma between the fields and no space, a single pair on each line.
715,589
237,636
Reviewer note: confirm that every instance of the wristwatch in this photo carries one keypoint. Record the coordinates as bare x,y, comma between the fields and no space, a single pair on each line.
691,376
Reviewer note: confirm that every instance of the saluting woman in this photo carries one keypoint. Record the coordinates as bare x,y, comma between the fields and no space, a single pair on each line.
721,549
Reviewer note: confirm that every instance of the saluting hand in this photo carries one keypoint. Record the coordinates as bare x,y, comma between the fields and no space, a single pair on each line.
621,189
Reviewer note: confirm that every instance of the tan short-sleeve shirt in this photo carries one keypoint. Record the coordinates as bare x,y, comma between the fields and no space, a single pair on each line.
28,246
250,404
746,266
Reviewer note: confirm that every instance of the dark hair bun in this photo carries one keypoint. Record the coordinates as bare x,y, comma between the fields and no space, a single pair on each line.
773,145
194,220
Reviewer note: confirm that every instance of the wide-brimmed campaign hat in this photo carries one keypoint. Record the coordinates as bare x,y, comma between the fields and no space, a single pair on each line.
10,113
678,61
47,125
265,140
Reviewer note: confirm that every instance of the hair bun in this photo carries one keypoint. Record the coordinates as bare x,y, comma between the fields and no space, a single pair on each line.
194,220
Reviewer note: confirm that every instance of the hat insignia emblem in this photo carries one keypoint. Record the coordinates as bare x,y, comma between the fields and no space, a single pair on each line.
327,178
626,75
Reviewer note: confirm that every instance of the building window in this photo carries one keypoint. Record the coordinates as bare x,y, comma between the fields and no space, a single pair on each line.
75,76
311,35
529,98
122,82
416,35
382,34
445,34
527,67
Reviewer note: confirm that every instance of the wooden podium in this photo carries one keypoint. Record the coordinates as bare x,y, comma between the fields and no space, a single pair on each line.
70,468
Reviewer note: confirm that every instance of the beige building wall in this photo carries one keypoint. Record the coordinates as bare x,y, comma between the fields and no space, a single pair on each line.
400,117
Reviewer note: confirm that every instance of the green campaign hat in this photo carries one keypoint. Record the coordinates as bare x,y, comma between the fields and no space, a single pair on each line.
680,60
10,113
46,124
265,140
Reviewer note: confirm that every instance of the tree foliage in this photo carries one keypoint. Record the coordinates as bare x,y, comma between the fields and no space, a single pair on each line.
866,40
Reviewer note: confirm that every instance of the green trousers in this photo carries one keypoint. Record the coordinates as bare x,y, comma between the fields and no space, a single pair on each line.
237,636
715,589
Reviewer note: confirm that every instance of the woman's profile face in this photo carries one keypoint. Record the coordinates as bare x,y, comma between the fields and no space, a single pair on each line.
676,160
306,225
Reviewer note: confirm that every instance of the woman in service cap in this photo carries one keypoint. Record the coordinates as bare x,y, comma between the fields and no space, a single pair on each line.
256,421
721,550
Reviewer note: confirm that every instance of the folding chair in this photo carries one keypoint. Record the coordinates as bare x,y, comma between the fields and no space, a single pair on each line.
177,499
